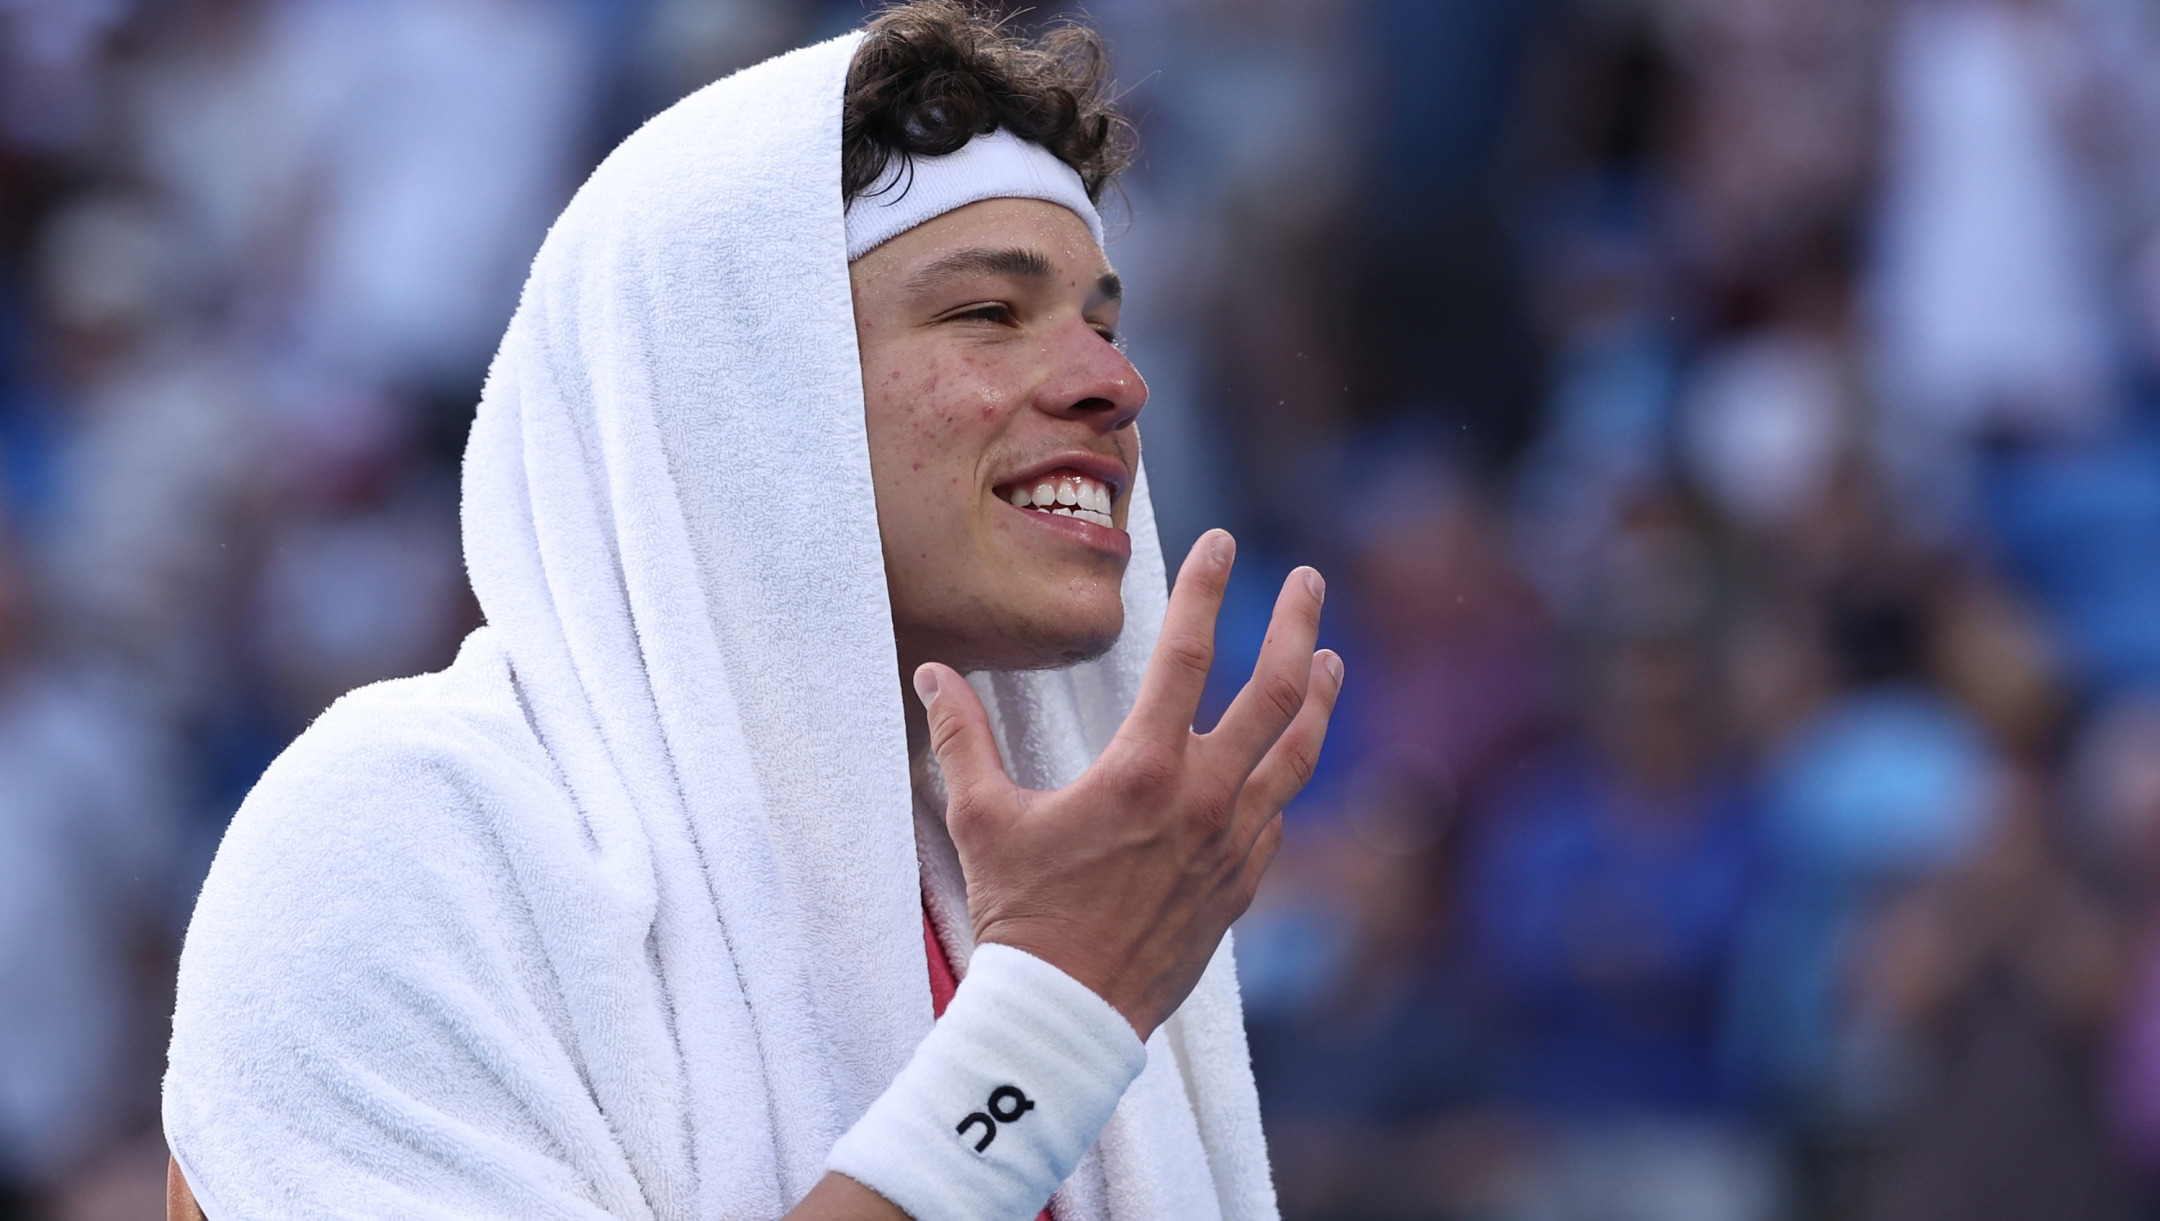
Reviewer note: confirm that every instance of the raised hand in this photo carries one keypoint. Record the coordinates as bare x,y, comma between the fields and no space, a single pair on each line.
1127,879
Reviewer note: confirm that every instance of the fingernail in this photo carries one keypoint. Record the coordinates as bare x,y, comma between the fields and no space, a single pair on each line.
926,685
1224,548
1333,664
1316,585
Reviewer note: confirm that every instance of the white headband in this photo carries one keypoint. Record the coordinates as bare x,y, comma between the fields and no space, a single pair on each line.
997,166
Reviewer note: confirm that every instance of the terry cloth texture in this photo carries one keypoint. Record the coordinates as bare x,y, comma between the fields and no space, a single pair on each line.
1002,1099
620,915
997,166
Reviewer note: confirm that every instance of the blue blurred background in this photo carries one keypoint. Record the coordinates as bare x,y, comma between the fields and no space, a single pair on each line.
1731,427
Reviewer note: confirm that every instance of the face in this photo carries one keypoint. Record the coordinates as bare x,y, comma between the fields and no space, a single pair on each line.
1002,445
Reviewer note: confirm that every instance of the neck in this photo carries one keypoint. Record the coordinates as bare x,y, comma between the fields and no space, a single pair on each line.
918,725
912,714
914,648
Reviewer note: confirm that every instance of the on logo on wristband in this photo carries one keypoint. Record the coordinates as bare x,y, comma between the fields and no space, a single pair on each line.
1015,1105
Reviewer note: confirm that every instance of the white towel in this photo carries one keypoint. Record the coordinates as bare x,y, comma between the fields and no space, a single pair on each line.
620,915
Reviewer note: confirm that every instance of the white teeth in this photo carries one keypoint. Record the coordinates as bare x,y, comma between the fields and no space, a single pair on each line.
1068,496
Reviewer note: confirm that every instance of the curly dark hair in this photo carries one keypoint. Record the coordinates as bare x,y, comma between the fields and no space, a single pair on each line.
931,75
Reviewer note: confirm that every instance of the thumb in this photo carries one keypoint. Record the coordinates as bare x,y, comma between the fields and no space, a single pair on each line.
960,734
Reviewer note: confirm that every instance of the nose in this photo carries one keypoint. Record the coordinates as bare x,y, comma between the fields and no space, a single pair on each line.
1091,381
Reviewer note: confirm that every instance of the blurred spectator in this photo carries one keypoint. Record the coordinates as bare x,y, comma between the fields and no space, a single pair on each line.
361,574
88,917
1607,895
1455,642
1363,1043
1991,304
1885,782
1776,139
50,89
2075,524
1999,974
1764,427
2116,787
1362,1028
1609,891
386,170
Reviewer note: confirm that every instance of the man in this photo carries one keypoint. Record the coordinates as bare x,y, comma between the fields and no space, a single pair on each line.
644,907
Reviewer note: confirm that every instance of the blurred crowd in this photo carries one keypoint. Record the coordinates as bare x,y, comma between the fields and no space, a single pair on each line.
1742,484
1731,428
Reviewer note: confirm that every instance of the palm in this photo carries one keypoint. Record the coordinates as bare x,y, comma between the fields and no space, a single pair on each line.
1127,878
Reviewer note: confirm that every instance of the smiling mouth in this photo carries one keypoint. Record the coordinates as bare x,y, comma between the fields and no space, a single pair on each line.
1063,494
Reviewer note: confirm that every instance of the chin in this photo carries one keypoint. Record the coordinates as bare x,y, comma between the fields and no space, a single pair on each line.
1080,654
1055,646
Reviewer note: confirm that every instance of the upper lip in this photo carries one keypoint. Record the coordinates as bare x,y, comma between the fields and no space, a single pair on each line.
1099,467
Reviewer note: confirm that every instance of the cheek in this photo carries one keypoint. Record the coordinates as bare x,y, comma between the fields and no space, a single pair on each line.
957,397
930,420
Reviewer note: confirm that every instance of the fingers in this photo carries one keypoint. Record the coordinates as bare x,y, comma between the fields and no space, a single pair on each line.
1276,692
1254,867
1290,762
960,734
1170,692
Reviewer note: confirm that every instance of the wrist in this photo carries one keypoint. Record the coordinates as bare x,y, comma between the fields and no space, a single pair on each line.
1108,976
1001,1100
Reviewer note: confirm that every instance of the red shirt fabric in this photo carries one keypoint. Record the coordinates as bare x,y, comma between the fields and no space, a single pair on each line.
943,985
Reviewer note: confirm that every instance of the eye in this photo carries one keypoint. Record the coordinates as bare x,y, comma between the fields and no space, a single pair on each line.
1111,337
991,311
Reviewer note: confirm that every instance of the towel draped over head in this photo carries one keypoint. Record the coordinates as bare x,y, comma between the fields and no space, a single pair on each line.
621,915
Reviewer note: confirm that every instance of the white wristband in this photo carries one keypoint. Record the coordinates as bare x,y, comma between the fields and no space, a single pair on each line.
1001,1100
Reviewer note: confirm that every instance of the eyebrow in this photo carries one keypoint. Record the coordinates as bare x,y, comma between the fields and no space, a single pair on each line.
1019,262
